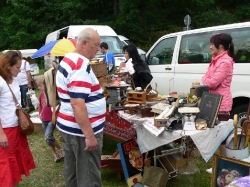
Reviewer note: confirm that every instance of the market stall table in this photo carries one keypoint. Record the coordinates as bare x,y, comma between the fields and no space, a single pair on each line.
207,141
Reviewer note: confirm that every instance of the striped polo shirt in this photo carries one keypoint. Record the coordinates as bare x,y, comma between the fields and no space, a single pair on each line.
75,79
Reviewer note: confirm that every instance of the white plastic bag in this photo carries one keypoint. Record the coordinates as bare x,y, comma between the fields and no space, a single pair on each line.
32,95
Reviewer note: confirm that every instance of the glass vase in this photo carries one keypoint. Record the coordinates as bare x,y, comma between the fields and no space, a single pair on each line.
189,175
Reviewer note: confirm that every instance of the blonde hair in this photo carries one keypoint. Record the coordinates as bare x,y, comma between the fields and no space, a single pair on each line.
40,80
133,151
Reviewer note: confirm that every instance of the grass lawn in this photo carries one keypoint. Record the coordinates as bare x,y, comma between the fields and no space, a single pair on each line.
48,173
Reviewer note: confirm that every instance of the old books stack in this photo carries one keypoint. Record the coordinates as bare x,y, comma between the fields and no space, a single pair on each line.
159,107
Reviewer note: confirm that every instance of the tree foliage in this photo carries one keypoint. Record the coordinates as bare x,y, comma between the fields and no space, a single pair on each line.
25,23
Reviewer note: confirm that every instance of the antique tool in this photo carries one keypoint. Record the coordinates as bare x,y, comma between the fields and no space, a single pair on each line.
246,123
236,142
118,105
247,137
235,130
246,127
242,134
188,117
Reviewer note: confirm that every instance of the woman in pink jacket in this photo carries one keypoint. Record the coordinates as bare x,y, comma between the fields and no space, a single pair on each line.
220,72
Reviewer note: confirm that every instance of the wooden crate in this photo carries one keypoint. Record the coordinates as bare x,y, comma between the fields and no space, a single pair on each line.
99,68
137,97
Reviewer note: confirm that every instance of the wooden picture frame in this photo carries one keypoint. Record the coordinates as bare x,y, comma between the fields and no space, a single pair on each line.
226,169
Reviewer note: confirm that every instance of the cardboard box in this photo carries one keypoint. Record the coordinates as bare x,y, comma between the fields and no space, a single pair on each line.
161,122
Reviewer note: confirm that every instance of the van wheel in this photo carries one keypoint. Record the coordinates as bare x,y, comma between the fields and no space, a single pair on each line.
241,111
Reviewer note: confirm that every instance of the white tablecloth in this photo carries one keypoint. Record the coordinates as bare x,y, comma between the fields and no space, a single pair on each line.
207,141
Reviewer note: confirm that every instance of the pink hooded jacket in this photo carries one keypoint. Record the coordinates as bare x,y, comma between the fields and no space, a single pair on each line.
219,77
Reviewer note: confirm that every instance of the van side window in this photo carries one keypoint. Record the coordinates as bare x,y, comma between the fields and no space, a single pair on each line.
194,48
241,40
163,52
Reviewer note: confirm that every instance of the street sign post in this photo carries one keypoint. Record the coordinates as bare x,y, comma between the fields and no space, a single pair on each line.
187,21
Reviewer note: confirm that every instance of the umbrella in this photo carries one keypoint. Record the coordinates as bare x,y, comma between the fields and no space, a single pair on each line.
56,48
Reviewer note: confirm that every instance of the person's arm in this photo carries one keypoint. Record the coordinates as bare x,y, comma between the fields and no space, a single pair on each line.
29,79
218,77
129,67
3,138
82,119
40,106
110,60
27,70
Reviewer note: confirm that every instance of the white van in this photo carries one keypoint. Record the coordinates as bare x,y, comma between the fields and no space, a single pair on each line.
126,41
175,66
106,33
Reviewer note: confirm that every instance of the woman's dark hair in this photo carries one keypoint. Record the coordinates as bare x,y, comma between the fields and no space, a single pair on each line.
223,39
133,53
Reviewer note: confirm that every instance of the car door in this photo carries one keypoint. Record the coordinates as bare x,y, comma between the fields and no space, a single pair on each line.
161,61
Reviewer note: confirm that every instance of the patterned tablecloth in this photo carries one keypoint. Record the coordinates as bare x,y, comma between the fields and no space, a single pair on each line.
118,127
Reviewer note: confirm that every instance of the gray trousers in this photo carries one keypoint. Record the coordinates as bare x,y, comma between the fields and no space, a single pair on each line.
81,168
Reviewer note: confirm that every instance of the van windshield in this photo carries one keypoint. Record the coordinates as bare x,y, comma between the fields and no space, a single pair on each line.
115,45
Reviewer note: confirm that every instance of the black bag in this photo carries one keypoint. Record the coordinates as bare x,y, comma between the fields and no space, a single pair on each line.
146,77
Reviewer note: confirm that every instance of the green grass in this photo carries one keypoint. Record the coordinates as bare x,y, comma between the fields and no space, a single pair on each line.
48,173
41,71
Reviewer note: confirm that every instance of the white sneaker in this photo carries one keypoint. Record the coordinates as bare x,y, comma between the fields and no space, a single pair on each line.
209,170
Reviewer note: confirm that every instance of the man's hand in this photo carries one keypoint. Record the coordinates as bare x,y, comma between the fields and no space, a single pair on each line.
3,140
91,143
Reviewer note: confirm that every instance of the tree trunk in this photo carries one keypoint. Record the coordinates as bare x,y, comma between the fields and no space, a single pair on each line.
115,7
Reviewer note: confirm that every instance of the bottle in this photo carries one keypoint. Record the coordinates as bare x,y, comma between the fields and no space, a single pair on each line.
189,175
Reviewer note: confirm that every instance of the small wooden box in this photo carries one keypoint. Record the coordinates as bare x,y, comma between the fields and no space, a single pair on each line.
146,112
137,97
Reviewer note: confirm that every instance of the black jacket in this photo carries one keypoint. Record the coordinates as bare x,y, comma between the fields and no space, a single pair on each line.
142,76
